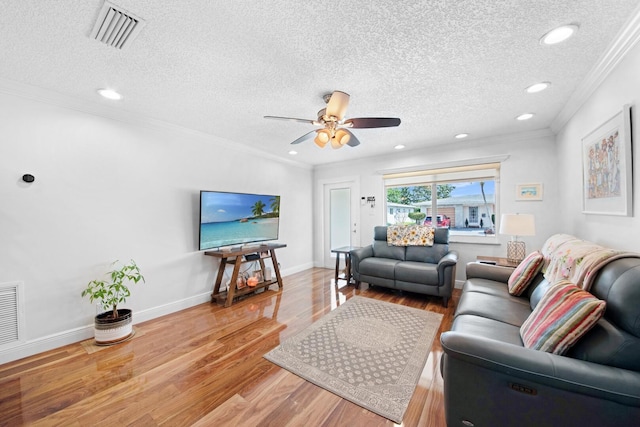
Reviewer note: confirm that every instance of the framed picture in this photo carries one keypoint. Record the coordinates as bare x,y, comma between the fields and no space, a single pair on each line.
606,167
529,191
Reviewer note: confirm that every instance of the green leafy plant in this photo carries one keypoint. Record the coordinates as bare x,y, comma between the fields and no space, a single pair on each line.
417,216
110,293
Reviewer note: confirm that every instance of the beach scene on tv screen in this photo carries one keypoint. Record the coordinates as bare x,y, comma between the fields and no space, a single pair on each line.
236,218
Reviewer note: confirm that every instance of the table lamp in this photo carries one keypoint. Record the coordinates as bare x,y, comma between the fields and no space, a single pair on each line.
516,225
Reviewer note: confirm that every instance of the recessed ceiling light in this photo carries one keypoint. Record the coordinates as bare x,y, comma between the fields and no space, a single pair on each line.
399,147
461,135
293,152
525,116
559,34
110,94
538,87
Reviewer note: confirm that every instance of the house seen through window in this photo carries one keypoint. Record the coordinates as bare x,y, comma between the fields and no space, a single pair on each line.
467,205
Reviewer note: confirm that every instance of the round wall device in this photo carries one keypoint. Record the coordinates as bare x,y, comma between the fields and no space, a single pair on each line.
27,177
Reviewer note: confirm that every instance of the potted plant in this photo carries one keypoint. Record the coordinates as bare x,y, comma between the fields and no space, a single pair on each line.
114,325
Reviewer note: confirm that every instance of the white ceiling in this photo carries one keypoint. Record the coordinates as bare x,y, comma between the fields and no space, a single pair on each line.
217,67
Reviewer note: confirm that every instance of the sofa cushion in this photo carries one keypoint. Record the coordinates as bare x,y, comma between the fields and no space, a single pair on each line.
382,250
537,290
608,345
487,328
565,313
524,273
426,254
618,285
487,286
511,310
379,267
417,272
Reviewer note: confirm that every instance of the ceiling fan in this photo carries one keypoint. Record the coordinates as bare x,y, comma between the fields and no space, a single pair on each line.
334,128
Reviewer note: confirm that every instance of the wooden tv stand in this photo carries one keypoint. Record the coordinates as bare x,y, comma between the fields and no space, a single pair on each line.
235,256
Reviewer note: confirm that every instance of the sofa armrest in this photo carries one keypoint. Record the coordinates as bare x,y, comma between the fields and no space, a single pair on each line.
447,261
358,255
450,258
532,368
447,275
488,271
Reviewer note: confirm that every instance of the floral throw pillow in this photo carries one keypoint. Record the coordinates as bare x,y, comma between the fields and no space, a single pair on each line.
564,314
524,273
410,235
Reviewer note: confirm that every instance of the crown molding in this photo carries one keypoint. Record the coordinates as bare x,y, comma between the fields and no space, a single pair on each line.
37,94
624,41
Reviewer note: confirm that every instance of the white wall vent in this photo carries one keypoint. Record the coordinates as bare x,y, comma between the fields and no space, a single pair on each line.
10,313
115,26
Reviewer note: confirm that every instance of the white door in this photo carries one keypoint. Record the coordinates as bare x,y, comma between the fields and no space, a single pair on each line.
340,224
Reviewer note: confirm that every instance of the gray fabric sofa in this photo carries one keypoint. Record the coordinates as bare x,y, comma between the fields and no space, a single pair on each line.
429,270
491,379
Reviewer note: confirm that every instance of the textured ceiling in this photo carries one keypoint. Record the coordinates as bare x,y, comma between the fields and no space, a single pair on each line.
443,67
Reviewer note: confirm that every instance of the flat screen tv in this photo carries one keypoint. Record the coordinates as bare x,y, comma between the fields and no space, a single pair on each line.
228,219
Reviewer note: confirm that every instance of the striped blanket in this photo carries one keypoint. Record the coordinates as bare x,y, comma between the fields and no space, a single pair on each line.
567,257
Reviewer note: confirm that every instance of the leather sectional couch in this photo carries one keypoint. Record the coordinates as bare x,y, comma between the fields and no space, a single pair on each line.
492,379
429,270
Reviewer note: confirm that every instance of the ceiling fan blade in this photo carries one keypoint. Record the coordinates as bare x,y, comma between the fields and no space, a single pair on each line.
304,137
353,141
373,122
291,119
337,105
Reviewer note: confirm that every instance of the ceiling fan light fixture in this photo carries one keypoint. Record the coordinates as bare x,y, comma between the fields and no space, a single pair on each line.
335,144
322,138
342,136
333,125
337,105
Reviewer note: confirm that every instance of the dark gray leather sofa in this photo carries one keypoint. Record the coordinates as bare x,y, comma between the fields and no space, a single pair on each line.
427,270
491,379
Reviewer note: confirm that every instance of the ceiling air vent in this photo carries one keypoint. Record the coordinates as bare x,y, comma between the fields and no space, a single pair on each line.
115,26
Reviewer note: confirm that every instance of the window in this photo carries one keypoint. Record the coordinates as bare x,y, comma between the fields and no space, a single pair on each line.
465,199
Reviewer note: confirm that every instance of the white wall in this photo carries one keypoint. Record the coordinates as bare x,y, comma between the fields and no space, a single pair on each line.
531,158
106,189
621,87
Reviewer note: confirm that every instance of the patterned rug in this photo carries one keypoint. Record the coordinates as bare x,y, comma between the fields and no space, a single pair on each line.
367,351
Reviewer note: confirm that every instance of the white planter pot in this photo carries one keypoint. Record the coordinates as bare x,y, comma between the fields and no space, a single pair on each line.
110,331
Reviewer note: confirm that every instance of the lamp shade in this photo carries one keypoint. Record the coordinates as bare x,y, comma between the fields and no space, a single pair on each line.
322,137
517,224
342,136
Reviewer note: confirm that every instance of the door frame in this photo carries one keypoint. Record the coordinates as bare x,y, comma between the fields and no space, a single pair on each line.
325,258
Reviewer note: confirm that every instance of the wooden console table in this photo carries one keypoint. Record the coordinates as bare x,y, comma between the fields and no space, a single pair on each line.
236,256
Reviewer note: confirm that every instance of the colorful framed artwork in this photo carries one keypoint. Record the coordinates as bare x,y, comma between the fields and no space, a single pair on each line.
606,167
529,191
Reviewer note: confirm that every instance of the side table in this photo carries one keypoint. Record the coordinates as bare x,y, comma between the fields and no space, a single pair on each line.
346,251
501,262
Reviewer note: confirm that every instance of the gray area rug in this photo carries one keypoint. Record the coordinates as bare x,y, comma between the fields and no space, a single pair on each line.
367,351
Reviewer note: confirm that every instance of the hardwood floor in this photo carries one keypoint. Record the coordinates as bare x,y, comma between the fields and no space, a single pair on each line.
203,366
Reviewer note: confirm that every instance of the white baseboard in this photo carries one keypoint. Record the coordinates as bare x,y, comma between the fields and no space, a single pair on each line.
19,350
155,312
297,269
29,348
